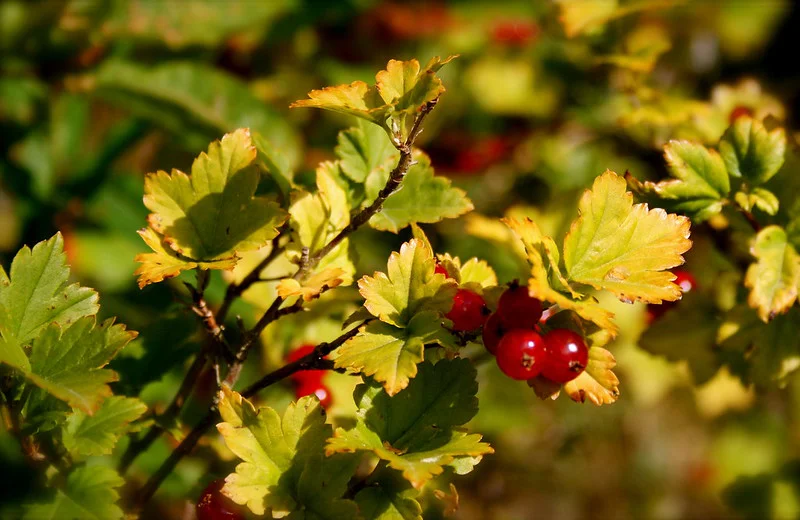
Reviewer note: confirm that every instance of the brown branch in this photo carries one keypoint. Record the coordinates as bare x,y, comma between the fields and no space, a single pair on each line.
312,361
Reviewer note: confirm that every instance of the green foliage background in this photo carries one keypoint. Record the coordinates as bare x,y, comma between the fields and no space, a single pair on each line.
544,98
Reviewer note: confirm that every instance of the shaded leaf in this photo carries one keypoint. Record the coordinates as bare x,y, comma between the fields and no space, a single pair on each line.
389,498
410,287
89,493
390,354
417,431
364,150
774,279
422,198
86,435
36,295
625,248
751,152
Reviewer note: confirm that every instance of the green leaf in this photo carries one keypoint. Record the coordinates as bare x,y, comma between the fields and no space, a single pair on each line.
400,90
687,332
417,431
409,288
36,295
196,102
751,152
422,198
389,497
283,468
68,362
390,354
625,248
89,493
213,215
700,182
774,279
364,150
759,198
276,163
87,435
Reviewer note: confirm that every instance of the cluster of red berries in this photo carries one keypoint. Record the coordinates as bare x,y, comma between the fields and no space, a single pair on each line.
512,334
307,382
685,281
213,505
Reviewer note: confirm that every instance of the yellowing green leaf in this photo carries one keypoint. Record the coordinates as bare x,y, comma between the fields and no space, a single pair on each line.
758,197
363,150
89,493
356,99
410,287
583,16
643,46
625,248
597,383
700,182
774,279
390,354
68,363
422,198
752,152
213,214
283,469
312,286
37,294
86,435
417,431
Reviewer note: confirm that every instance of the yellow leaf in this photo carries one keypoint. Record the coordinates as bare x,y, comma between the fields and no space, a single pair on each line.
774,278
312,286
597,383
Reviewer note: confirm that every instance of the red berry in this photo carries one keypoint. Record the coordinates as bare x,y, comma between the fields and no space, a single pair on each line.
316,388
518,309
469,310
213,505
521,354
493,332
567,355
440,269
304,376
513,32
738,112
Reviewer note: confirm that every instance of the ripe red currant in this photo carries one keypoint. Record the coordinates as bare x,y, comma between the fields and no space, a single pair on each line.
738,112
468,312
517,309
213,505
304,376
316,388
440,269
566,355
521,354
493,332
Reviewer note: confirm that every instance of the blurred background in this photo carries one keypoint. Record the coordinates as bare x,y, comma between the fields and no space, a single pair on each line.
544,97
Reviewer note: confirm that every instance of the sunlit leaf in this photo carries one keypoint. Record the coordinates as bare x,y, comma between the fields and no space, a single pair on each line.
312,286
597,383
751,152
625,248
774,279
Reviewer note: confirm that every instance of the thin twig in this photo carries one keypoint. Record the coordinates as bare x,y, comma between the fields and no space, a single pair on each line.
312,361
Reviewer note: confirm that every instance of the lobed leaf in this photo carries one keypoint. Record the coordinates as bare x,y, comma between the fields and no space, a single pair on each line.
312,286
409,288
213,215
751,152
390,354
774,279
422,198
88,493
36,295
389,498
597,383
417,431
86,435
625,248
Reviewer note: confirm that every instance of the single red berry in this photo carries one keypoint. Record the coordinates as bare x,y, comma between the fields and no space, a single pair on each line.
440,269
738,112
213,505
521,354
304,376
315,388
566,355
514,33
469,311
518,309
493,332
